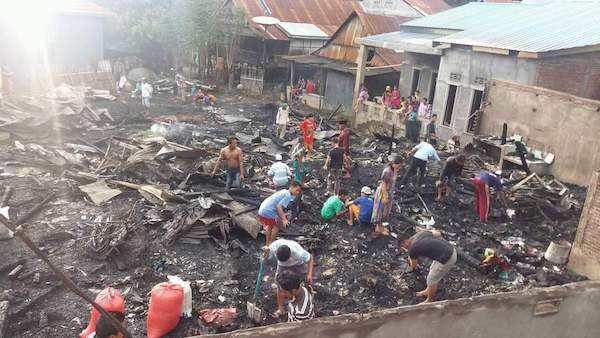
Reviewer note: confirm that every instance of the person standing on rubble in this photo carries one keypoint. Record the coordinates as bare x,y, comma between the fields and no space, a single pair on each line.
430,134
282,119
271,213
334,164
300,168
384,195
235,163
291,257
430,244
280,172
421,153
452,168
344,142
146,90
483,199
308,127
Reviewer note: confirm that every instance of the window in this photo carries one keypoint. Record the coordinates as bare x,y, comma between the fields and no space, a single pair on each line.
473,122
450,104
415,81
432,87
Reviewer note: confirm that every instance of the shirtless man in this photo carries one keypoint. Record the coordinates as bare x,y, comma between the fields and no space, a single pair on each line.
235,163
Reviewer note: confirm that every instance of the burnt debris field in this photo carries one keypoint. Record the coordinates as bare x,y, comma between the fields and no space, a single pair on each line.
119,199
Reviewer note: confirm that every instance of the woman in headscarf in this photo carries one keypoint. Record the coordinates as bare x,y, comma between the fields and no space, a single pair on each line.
396,99
384,195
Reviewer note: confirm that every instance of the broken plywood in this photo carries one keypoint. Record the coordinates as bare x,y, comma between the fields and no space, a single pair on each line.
99,192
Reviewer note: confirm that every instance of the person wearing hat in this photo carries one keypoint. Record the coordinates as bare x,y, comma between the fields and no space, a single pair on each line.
235,163
361,209
283,117
280,172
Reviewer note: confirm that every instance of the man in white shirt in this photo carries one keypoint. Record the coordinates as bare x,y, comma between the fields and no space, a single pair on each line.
283,117
421,154
146,89
281,173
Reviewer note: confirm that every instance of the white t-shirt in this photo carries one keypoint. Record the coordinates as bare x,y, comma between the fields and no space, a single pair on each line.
283,116
298,255
425,152
146,90
281,173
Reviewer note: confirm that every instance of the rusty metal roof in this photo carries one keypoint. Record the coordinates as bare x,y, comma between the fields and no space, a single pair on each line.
378,24
80,7
327,15
428,6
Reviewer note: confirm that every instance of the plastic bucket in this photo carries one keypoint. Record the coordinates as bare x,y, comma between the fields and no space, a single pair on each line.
558,252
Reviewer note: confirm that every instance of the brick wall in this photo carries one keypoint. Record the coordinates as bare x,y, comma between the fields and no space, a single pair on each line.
574,74
585,255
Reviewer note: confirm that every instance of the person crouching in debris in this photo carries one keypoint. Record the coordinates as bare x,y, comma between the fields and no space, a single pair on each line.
293,258
146,90
361,209
308,127
384,195
235,163
334,164
334,206
210,100
282,119
271,213
483,201
452,168
301,307
198,97
106,329
430,244
280,172
421,153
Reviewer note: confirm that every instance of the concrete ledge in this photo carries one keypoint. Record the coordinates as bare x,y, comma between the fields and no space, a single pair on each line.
3,317
563,311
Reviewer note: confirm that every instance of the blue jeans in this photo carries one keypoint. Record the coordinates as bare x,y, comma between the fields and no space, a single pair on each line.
233,178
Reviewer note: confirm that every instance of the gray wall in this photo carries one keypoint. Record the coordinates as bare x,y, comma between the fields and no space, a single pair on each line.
473,67
339,90
551,121
78,43
427,64
493,316
395,7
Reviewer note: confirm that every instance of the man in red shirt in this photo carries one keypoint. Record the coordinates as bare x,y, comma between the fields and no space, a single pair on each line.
344,143
308,127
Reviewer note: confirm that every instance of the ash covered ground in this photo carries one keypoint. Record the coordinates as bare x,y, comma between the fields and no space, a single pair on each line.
355,271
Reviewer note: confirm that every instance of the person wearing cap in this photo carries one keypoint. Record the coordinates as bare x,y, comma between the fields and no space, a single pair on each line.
483,199
282,119
235,163
361,209
280,172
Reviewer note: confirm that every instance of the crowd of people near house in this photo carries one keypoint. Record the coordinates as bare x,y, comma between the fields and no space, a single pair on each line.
371,207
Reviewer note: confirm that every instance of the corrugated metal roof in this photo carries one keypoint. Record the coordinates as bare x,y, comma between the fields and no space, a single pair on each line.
378,24
302,30
324,14
80,7
537,29
471,15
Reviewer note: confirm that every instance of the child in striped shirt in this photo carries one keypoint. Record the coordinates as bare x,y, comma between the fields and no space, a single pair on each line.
301,307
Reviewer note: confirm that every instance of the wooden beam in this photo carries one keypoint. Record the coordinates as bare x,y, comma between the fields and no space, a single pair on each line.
361,62
491,50
527,55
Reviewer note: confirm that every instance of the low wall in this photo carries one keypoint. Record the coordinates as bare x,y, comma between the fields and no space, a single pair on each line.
585,255
558,312
550,121
373,116
313,100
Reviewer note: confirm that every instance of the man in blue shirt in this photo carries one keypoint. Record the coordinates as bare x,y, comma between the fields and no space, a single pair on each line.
421,154
361,209
271,213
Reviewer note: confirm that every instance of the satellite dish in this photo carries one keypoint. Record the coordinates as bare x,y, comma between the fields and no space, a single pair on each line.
265,20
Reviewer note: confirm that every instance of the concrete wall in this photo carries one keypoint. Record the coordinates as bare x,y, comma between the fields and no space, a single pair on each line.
585,254
571,311
391,7
574,74
339,89
375,117
551,121
427,64
470,71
